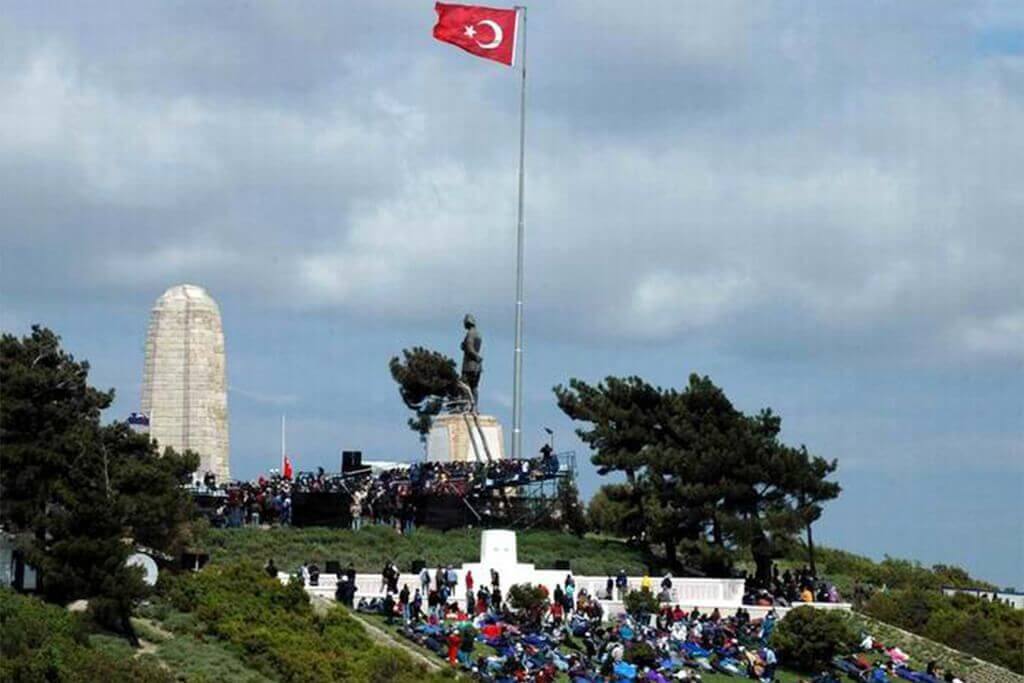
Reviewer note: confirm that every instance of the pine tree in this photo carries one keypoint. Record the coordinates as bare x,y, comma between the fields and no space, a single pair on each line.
700,474
426,379
79,494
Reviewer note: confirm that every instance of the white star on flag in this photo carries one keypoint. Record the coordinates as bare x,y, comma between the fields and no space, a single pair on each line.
470,31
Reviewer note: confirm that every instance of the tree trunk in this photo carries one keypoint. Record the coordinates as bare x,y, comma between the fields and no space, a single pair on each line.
129,629
810,549
761,550
638,500
716,531
671,558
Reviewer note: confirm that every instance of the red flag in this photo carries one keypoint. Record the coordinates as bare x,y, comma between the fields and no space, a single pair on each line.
483,31
287,473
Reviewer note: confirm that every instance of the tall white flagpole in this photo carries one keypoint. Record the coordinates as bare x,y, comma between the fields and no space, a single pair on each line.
282,445
517,384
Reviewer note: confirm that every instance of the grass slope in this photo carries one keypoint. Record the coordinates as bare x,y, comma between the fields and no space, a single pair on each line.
371,547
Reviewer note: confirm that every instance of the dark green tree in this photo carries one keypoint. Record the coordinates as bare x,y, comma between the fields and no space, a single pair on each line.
49,416
529,601
609,511
426,379
808,638
640,603
811,488
573,514
79,494
700,474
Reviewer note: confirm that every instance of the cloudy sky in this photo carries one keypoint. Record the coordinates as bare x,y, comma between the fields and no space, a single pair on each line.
817,205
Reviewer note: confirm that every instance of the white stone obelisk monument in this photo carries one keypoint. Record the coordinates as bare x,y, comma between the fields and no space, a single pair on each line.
184,388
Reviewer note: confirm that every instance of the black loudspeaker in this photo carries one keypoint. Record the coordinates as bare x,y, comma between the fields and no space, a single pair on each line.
194,561
418,565
351,460
333,567
562,565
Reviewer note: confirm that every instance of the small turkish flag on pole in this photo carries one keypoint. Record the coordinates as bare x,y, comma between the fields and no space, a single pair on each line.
483,31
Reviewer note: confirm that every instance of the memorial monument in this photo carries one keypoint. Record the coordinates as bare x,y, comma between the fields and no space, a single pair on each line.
462,433
184,387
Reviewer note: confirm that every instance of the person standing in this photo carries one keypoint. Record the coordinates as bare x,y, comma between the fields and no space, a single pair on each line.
621,582
425,580
403,602
356,510
416,608
350,572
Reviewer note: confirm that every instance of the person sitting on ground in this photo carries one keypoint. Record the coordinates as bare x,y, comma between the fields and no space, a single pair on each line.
806,595
270,568
454,641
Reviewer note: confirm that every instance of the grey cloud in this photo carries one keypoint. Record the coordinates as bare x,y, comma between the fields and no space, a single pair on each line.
760,178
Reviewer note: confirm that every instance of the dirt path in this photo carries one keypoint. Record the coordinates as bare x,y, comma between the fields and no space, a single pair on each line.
381,636
148,647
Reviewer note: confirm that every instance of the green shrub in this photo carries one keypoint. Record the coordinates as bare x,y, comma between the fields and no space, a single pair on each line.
641,653
990,631
808,638
640,603
275,630
41,642
907,609
529,601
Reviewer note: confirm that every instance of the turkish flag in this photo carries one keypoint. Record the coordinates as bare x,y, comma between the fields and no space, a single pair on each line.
287,474
483,31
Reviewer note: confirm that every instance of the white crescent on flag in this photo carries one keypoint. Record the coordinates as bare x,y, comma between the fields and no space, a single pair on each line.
498,36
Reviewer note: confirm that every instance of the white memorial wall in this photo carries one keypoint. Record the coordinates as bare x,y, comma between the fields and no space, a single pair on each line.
498,550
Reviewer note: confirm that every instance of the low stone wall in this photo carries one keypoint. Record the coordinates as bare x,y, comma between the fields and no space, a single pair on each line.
726,595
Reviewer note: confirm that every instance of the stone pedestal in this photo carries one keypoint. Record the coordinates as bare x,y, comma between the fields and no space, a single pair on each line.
455,438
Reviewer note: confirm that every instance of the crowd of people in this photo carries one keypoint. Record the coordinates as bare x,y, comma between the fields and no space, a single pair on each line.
568,635
474,625
387,497
791,587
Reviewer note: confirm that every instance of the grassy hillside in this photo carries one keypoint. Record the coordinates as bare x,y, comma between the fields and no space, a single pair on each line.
371,547
42,642
229,623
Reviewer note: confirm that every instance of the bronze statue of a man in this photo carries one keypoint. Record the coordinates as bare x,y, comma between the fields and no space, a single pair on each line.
472,361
